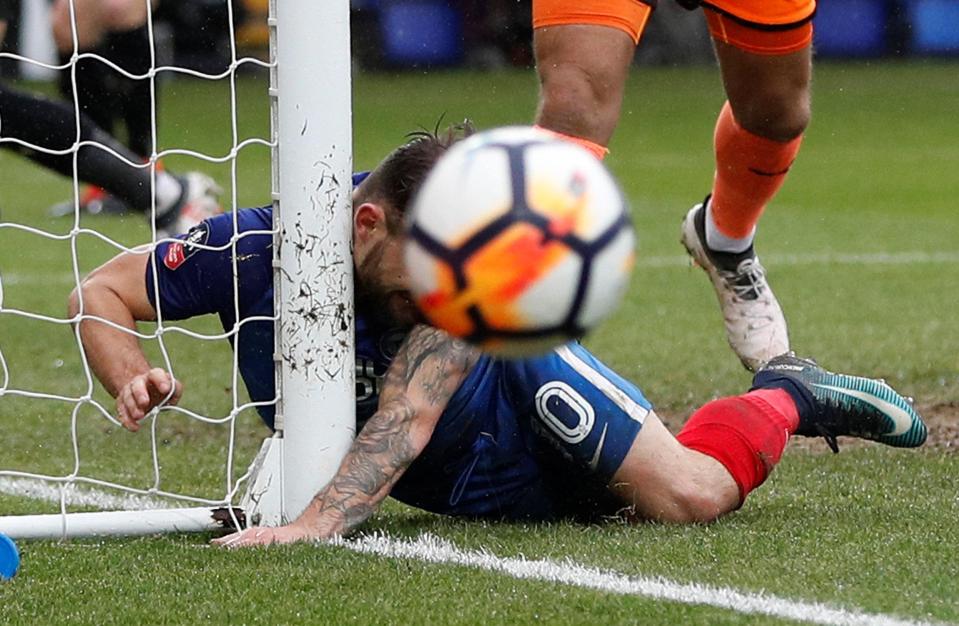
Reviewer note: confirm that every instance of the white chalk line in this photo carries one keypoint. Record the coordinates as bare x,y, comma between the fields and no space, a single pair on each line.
431,549
75,495
665,261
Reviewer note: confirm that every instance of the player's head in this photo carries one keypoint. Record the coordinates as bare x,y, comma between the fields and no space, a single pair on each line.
379,208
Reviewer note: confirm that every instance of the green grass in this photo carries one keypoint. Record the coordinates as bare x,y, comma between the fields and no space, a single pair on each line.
872,528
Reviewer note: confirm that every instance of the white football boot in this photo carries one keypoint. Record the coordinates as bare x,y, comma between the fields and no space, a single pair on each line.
198,201
755,326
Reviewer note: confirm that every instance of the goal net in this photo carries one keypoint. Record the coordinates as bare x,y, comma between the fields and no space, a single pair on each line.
67,468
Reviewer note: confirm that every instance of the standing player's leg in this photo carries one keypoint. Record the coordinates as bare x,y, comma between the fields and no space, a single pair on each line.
583,54
766,69
181,201
114,30
129,98
93,21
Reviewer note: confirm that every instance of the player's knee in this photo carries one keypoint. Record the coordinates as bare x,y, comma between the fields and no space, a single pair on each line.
121,15
578,100
678,500
692,503
86,17
780,115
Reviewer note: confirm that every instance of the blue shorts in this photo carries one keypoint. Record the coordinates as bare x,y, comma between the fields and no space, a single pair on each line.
531,439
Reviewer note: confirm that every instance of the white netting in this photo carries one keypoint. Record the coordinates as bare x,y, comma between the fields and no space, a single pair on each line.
34,412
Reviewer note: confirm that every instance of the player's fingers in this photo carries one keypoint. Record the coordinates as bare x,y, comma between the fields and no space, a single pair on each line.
136,410
256,537
230,541
160,380
249,537
142,398
123,412
163,388
177,393
139,391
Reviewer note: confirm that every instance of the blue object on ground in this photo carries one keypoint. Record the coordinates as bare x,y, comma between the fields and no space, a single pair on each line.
9,558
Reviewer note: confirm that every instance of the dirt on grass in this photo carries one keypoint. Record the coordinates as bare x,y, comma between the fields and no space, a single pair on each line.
942,418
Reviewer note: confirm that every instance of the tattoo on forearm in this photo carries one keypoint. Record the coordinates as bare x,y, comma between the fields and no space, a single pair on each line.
382,448
430,367
436,361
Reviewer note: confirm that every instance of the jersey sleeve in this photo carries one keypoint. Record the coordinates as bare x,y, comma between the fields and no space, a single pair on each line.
194,274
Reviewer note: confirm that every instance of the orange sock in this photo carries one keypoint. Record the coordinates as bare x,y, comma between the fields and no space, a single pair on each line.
749,171
598,151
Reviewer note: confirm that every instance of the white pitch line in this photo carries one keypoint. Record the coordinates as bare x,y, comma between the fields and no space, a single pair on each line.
431,549
74,495
434,550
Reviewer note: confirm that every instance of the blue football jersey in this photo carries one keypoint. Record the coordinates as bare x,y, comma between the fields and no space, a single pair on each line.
193,281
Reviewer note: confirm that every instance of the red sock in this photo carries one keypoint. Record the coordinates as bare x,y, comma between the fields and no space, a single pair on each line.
749,171
598,151
747,434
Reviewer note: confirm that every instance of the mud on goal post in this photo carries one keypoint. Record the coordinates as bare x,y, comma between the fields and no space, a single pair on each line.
312,167
311,142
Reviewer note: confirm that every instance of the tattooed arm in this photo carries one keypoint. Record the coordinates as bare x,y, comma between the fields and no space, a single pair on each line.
419,383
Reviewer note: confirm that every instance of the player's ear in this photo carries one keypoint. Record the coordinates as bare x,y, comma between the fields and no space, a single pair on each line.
369,221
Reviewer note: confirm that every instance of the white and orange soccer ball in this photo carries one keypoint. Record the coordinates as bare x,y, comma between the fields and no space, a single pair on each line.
518,242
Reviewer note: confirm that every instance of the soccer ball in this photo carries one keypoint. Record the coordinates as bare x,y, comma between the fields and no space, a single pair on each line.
518,241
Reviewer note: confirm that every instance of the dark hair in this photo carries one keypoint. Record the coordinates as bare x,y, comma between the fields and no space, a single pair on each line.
401,174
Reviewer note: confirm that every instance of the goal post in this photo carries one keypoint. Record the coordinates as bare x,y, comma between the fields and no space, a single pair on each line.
314,357
109,523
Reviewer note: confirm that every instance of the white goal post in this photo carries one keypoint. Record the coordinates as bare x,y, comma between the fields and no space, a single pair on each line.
310,94
314,282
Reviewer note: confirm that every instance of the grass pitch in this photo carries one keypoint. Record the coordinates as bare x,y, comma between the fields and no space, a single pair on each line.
860,246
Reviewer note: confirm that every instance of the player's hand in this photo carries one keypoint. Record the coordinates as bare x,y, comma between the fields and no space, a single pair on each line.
262,536
143,393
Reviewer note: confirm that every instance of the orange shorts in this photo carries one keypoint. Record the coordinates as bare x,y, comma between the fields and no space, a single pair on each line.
759,26
626,15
